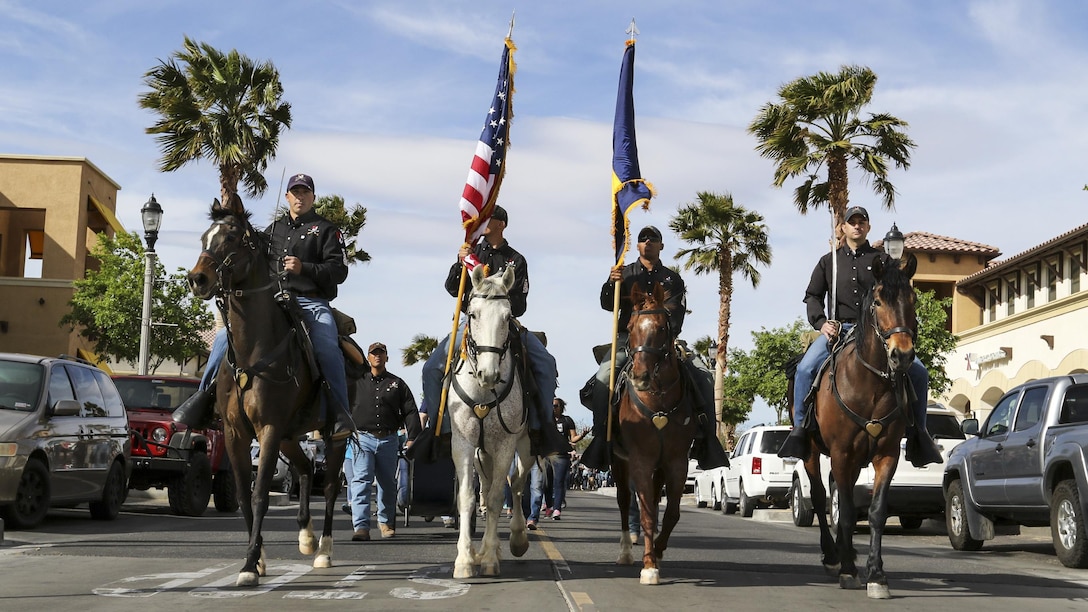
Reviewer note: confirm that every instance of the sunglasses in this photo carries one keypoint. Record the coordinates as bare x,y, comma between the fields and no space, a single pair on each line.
377,352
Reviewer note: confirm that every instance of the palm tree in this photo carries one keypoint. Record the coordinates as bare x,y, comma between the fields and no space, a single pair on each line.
220,106
418,350
817,124
728,240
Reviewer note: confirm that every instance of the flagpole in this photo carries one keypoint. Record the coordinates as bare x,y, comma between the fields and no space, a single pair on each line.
449,352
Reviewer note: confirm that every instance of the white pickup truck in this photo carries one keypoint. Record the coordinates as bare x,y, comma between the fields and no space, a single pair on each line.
915,493
1027,465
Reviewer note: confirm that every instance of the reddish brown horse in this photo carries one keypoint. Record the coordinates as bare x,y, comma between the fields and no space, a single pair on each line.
265,390
862,407
656,429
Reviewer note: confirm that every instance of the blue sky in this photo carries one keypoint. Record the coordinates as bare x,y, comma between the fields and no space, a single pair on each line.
389,97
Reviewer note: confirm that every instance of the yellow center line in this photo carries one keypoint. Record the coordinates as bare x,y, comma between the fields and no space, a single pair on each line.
576,600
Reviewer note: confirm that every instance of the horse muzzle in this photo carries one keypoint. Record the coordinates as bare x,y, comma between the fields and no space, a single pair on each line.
202,286
900,360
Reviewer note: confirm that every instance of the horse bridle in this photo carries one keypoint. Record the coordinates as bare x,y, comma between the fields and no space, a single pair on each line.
475,349
482,409
224,266
883,335
662,353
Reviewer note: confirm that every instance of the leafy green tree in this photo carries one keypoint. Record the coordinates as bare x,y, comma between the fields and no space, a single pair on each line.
935,342
219,106
816,128
725,239
762,371
107,306
350,222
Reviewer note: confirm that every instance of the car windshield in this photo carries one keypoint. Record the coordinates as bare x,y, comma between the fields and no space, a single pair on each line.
944,426
20,385
156,393
772,441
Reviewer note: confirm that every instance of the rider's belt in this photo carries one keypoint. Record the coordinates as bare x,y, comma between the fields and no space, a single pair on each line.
310,294
379,433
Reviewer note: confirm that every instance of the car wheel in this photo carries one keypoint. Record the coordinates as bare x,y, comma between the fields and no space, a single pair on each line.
113,495
225,492
31,498
701,503
1067,525
800,506
287,485
192,489
911,522
745,504
833,493
715,498
959,533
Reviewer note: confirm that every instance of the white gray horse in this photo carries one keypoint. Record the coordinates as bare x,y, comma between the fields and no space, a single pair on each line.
489,424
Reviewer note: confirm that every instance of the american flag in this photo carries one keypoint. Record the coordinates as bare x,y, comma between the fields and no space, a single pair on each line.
489,163
629,189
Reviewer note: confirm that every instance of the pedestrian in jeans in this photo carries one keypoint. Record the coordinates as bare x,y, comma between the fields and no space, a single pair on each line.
560,464
381,404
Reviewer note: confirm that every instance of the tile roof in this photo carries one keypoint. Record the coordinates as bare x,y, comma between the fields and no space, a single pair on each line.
932,243
1077,232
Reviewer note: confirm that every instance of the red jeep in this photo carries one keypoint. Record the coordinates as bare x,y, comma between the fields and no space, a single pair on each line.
190,463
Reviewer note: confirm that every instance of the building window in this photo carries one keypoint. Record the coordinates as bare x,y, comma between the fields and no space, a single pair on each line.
1031,285
991,302
1012,292
1053,277
1074,270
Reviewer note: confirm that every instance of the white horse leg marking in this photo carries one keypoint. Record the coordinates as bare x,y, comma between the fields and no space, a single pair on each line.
306,539
323,559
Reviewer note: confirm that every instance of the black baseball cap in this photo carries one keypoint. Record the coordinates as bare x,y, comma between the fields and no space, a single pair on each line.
649,232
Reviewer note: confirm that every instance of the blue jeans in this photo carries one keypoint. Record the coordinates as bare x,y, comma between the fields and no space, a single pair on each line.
319,320
373,459
560,473
816,355
540,361
534,493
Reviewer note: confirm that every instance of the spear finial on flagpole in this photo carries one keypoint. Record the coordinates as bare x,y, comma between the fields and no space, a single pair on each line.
510,34
631,30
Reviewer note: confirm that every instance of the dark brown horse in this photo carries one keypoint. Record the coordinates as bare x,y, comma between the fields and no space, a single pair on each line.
265,387
862,407
656,429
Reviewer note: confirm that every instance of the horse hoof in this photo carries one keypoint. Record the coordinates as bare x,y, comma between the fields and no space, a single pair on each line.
490,569
462,572
247,579
625,559
846,581
307,544
649,576
878,591
322,562
519,546
832,570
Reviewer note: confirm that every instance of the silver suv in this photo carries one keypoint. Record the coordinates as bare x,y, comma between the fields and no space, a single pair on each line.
64,439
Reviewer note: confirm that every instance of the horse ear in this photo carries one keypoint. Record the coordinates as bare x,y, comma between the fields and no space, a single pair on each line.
659,293
508,278
216,206
477,275
909,265
234,205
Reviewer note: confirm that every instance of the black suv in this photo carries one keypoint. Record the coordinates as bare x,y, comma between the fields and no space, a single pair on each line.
64,439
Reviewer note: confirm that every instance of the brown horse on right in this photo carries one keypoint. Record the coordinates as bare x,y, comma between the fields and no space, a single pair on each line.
656,429
862,407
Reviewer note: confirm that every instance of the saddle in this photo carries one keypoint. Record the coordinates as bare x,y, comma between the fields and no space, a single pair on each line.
842,340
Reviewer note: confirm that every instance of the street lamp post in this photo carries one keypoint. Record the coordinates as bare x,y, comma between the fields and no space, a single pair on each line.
894,242
151,215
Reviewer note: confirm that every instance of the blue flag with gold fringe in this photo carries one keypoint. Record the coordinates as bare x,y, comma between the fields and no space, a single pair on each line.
629,189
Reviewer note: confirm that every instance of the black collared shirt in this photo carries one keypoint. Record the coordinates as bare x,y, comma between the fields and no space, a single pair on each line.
383,402
319,244
855,278
496,259
636,273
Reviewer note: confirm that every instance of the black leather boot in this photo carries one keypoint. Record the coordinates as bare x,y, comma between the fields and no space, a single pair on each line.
198,411
596,455
707,449
796,444
921,449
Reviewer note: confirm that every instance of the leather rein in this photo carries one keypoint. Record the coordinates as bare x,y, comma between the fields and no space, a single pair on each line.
664,354
896,380
472,350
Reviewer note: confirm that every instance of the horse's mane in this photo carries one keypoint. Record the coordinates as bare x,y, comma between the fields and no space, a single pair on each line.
218,213
891,282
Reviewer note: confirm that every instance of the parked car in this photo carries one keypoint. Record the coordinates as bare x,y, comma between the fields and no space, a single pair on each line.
756,475
191,464
708,487
915,493
64,439
1027,466
693,473
285,479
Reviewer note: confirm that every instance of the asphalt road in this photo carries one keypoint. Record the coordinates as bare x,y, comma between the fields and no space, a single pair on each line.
149,558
